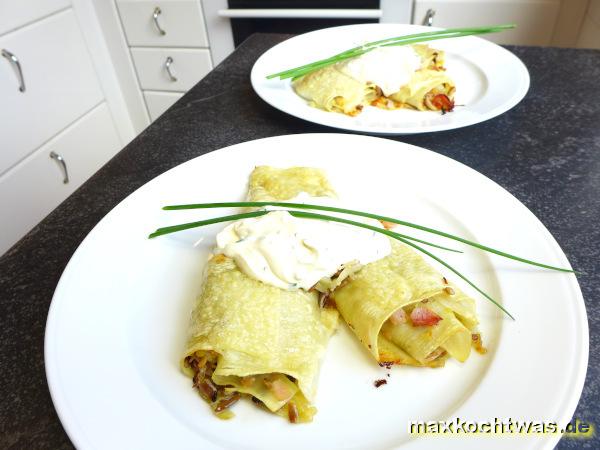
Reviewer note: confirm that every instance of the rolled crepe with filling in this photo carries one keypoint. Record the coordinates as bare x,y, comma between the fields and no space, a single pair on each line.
429,89
405,312
333,89
247,338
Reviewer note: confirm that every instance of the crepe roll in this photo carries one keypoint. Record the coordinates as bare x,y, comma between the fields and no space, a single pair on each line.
405,312
250,339
388,77
428,90
333,90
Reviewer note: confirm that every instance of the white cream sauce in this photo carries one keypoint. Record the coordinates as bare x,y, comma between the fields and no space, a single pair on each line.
290,253
390,68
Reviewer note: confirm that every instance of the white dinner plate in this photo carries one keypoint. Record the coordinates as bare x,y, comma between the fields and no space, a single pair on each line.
489,80
118,320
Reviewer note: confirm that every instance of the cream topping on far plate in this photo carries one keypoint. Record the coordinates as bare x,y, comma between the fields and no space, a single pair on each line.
289,252
390,68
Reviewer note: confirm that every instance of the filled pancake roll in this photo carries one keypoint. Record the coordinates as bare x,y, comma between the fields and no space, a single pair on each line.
429,87
334,90
247,338
392,77
253,333
428,90
405,312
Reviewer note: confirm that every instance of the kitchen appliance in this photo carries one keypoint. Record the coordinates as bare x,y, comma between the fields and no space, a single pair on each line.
230,22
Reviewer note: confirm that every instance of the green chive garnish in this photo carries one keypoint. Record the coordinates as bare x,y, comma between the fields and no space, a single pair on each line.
308,215
399,40
371,216
445,264
201,223
402,239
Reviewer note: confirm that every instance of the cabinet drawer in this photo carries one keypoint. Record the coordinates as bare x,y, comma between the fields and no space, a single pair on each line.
181,23
534,18
159,102
187,66
14,14
34,187
60,84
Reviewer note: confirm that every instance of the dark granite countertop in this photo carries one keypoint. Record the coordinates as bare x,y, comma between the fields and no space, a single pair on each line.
545,151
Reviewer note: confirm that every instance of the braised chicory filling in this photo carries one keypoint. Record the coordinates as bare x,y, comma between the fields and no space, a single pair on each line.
265,390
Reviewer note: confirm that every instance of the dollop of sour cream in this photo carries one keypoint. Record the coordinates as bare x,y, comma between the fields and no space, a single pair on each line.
289,252
390,68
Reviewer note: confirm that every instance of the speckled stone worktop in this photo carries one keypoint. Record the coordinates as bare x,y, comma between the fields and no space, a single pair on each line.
545,151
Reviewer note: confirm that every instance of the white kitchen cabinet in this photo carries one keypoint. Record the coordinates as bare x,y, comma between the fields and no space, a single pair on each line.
171,23
59,79
535,19
34,187
170,69
169,48
62,113
14,14
159,102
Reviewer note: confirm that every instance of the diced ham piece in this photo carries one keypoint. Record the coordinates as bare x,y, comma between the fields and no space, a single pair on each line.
422,316
280,390
398,317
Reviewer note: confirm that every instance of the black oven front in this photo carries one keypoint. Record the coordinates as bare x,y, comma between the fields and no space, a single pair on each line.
297,16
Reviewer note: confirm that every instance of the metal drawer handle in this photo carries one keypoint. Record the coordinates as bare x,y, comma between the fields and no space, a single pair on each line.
14,61
157,12
429,15
63,165
168,63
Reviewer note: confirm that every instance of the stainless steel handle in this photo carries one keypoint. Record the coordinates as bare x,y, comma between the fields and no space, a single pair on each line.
429,15
14,61
168,63
157,12
63,165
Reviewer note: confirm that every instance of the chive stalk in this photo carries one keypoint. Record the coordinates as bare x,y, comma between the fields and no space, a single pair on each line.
308,215
371,216
394,41
186,226
200,223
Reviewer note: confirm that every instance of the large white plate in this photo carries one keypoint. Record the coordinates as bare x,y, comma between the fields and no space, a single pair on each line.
117,323
489,80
